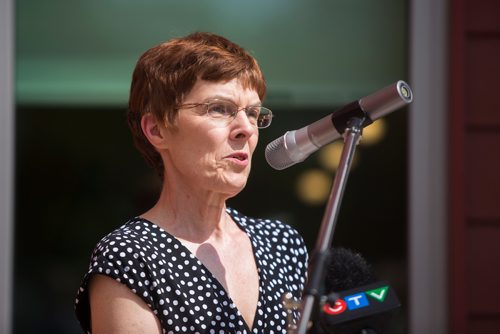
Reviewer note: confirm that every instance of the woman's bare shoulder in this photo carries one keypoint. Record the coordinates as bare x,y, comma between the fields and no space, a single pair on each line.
116,309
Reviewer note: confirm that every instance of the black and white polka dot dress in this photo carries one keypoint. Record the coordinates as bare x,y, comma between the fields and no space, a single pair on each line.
182,292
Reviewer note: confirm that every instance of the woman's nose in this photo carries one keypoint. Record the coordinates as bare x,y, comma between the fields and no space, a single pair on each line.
243,125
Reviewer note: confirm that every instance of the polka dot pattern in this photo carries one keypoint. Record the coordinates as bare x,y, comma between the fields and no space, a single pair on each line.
182,292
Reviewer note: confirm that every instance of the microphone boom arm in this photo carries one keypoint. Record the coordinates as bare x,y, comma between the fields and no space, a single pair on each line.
313,290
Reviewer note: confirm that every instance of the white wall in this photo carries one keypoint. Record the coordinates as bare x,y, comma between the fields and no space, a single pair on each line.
427,161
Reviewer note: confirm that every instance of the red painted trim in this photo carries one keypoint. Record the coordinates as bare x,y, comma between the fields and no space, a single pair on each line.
458,321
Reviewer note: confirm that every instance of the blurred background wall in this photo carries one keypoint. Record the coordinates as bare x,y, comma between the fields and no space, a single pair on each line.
6,161
78,175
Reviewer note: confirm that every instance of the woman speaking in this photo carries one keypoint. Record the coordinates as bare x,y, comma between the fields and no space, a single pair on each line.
190,264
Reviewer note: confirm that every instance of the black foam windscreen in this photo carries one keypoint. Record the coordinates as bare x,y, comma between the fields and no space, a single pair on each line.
347,270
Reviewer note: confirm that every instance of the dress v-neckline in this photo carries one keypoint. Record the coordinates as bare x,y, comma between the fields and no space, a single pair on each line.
212,276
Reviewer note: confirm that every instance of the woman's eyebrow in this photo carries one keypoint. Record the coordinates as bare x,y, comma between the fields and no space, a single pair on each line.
219,97
230,99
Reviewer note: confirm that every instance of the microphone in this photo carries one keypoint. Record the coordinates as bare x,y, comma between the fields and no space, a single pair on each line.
295,146
362,304
347,270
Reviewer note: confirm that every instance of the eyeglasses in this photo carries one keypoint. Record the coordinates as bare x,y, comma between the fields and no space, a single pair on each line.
224,110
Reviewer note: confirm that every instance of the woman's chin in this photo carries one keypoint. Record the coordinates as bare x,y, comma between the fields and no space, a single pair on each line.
233,187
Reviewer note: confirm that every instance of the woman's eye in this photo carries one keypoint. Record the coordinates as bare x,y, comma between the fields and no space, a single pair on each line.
220,109
253,112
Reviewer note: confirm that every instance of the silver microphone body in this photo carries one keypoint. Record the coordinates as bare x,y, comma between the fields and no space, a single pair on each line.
296,145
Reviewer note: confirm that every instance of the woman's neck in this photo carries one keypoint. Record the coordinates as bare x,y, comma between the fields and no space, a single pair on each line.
195,216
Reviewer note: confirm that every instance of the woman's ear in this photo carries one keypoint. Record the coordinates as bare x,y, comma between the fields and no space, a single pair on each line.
153,130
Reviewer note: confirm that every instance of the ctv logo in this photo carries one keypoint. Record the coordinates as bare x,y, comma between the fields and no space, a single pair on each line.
356,301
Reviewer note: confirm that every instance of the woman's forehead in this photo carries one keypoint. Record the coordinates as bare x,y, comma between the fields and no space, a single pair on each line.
232,89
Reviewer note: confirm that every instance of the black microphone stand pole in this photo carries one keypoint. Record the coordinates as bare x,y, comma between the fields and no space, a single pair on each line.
313,289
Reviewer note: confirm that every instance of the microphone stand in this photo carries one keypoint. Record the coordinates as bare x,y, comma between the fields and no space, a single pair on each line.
313,289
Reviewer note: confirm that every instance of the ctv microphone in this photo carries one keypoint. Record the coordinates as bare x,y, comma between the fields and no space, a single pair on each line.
362,306
295,146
